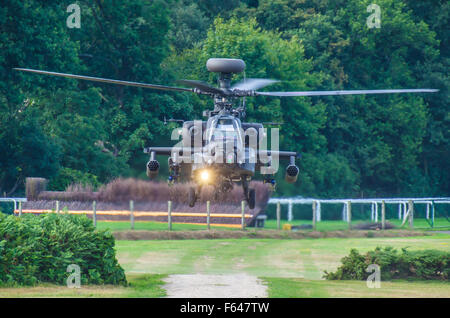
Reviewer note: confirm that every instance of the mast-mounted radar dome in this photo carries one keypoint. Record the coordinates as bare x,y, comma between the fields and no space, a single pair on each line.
221,65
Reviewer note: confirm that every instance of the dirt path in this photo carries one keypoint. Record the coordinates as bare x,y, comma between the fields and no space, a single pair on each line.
215,286
272,234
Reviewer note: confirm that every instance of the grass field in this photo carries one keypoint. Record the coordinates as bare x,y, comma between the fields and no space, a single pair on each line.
143,285
332,225
290,268
301,288
328,225
305,258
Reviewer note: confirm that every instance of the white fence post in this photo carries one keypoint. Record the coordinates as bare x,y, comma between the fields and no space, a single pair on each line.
314,216
290,214
132,214
243,215
376,212
344,213
411,214
169,214
94,213
208,215
318,212
278,215
349,214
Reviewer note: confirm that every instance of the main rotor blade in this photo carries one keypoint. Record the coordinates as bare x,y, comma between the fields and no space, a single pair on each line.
106,80
252,84
204,87
354,92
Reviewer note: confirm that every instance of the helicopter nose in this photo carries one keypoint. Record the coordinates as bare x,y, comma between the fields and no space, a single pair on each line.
230,157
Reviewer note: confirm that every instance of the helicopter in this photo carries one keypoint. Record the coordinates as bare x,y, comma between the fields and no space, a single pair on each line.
223,150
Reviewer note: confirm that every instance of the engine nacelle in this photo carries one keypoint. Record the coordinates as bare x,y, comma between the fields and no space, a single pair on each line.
292,173
152,168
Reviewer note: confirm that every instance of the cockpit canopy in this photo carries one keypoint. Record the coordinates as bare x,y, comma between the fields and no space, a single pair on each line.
224,128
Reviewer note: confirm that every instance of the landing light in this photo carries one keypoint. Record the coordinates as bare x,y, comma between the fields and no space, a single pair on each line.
204,175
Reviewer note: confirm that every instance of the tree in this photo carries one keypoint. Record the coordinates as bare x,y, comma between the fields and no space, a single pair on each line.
381,136
32,34
433,171
189,25
129,42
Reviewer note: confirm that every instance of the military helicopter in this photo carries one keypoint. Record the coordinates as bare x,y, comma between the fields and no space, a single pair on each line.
223,150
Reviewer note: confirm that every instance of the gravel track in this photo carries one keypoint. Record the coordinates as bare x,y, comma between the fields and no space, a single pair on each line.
215,286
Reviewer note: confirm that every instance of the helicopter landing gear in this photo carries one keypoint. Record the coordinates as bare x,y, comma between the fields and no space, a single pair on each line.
251,198
171,180
174,172
193,195
249,193
272,182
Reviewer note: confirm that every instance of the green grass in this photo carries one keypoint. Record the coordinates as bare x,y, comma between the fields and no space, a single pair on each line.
153,226
143,285
304,258
290,268
328,225
301,288
338,225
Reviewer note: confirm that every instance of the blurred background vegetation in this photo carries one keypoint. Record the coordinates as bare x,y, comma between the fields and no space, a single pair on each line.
359,146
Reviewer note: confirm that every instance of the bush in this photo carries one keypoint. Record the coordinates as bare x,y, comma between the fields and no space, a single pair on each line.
35,249
123,190
426,264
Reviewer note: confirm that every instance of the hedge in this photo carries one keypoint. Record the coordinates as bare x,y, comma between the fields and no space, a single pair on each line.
35,249
421,264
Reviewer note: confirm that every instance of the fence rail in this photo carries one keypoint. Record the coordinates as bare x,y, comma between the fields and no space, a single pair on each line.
137,214
405,210
17,201
405,206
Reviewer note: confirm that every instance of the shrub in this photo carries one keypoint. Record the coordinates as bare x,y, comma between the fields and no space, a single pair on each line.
426,264
36,249
123,190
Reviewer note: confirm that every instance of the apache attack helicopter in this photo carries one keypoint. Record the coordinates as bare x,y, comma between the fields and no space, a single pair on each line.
223,150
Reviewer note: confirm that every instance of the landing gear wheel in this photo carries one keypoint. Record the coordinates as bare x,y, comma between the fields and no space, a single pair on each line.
192,197
251,198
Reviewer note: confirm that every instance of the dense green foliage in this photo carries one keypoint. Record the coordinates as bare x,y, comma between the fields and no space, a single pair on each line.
35,249
422,264
65,129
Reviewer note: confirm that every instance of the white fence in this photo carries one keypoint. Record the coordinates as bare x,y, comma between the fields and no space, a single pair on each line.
14,200
403,210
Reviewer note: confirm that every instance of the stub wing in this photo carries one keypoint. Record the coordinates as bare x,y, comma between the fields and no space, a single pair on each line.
167,151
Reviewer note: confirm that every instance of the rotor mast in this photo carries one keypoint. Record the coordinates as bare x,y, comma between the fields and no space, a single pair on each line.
226,68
